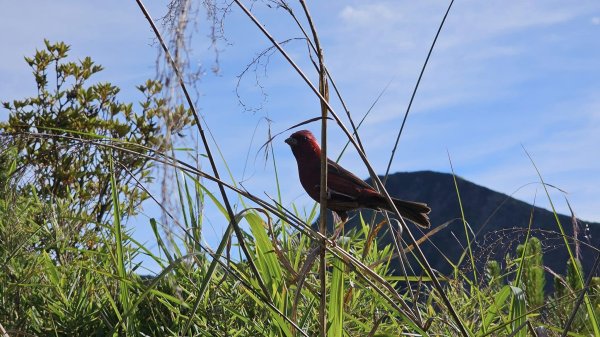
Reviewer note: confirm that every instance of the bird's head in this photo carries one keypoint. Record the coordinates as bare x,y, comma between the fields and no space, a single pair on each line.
304,144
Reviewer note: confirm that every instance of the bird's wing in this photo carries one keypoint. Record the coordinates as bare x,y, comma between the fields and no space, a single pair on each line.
340,176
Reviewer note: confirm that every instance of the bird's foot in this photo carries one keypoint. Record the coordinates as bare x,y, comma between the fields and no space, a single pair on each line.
340,221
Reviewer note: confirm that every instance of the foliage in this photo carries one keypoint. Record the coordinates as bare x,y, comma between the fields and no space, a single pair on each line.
54,129
566,290
52,288
81,295
533,278
59,280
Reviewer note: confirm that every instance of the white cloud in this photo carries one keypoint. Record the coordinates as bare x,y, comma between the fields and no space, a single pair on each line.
369,14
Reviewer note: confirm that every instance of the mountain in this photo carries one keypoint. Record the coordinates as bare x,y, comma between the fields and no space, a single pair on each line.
499,222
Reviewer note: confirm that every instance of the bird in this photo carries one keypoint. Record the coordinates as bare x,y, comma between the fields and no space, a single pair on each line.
345,191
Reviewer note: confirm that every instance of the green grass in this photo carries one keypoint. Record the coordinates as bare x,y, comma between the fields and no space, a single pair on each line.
51,289
65,273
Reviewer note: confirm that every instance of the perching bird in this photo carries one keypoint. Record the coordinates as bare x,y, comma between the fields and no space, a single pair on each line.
345,192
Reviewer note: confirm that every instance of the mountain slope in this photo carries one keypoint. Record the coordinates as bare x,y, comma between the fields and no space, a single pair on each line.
499,221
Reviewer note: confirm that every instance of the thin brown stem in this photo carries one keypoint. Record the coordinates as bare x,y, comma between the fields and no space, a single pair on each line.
367,274
412,240
237,229
412,97
312,47
324,91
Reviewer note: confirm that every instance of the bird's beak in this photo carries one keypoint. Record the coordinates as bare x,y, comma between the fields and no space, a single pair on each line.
291,141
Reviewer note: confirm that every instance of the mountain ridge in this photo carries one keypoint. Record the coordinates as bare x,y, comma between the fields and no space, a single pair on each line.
499,220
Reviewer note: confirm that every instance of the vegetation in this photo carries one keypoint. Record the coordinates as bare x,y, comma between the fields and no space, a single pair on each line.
73,166
51,129
80,292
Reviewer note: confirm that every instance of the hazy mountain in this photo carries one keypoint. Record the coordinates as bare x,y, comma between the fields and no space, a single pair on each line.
499,221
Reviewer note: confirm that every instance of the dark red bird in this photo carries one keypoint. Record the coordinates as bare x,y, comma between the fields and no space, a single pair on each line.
345,192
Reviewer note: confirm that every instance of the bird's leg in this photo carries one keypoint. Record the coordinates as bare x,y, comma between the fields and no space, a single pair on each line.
339,225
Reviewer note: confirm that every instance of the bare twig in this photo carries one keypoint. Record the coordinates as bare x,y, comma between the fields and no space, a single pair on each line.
324,91
311,46
412,97
324,101
237,229
371,278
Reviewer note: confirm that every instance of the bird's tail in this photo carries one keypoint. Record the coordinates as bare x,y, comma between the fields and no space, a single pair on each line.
414,211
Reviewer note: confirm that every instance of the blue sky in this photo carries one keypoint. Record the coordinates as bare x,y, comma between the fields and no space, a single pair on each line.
504,74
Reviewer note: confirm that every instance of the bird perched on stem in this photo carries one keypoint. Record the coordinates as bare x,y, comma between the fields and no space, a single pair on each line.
345,191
